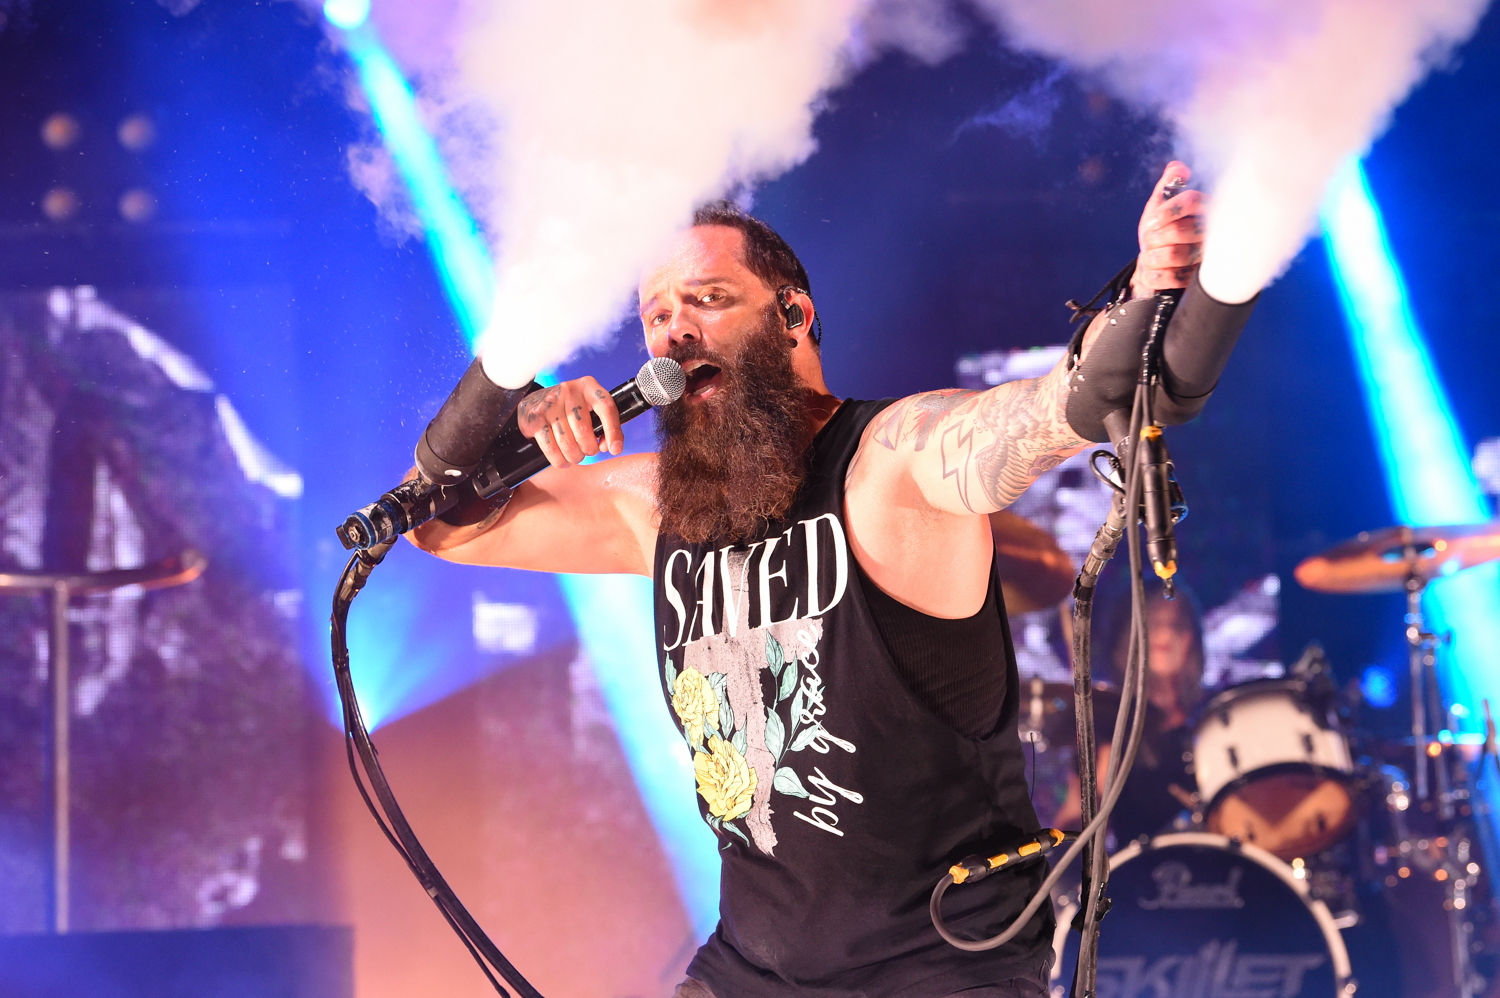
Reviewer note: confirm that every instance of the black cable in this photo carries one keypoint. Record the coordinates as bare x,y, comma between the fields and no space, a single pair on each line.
1097,827
364,764
1131,715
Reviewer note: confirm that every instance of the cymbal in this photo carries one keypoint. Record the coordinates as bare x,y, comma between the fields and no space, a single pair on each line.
164,574
1034,572
1377,561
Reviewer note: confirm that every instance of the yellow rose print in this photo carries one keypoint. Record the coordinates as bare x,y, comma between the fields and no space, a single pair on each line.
725,780
694,699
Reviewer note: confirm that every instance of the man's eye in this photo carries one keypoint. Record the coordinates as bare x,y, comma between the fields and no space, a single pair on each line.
712,296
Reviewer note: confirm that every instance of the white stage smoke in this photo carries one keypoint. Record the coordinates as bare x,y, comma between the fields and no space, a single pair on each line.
1270,96
616,120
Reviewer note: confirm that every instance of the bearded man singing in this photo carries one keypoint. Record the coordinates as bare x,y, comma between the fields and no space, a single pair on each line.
832,639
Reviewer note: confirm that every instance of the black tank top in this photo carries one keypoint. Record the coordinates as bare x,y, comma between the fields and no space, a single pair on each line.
839,799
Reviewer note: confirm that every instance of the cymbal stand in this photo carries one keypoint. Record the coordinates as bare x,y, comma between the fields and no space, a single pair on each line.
1426,694
1418,649
1422,654
63,587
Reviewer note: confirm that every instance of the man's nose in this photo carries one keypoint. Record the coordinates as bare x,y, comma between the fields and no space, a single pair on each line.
680,328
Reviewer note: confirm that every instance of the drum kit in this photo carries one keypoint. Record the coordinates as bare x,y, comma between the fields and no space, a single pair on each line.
1310,860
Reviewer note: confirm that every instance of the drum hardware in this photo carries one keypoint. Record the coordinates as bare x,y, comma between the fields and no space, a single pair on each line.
1200,914
63,587
1405,559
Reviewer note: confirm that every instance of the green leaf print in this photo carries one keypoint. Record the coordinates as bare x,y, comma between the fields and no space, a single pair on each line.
730,826
804,738
671,673
795,714
775,656
775,734
739,741
788,681
713,822
788,783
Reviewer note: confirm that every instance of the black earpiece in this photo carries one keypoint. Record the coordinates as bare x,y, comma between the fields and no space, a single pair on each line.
795,317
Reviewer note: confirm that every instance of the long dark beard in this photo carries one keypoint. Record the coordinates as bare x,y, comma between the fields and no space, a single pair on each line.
732,464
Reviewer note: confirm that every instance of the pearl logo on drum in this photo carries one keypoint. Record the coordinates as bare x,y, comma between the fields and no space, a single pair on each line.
1175,889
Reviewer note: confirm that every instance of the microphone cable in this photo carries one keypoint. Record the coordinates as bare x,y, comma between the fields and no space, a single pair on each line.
474,411
1126,518
364,764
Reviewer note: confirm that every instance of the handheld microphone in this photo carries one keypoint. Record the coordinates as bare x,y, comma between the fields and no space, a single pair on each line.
508,459
513,458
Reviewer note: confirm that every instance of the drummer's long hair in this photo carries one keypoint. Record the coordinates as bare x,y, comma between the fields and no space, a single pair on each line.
1185,606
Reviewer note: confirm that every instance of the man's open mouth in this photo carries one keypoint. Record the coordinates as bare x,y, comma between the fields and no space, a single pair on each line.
702,378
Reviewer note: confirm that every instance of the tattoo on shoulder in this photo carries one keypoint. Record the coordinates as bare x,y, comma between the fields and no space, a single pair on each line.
916,417
992,444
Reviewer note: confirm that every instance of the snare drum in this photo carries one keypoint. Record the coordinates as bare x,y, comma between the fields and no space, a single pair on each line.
1201,915
1273,770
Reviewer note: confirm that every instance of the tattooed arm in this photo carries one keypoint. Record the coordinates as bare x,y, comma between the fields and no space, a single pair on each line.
970,452
928,464
976,452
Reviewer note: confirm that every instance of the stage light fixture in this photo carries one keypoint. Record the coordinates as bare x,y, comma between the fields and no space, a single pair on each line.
1377,685
60,204
137,205
136,132
60,131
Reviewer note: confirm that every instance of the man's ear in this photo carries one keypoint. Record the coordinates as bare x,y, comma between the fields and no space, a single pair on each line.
798,313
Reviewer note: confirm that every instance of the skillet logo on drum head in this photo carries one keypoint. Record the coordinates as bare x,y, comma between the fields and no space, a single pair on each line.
1175,889
1216,970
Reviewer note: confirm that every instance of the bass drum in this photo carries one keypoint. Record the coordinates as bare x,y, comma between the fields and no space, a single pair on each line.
1198,914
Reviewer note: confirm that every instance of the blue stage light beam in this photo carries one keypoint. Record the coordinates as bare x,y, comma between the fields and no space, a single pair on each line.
612,615
1428,475
458,252
614,618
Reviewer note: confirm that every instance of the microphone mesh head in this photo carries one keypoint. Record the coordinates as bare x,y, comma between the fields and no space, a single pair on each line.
661,380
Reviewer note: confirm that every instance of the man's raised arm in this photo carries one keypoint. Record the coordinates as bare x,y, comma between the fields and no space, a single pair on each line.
961,452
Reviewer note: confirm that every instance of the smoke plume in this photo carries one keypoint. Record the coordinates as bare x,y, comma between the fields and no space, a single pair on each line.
1269,97
614,120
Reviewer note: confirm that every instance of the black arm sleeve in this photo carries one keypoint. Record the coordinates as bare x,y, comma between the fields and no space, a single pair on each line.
1199,339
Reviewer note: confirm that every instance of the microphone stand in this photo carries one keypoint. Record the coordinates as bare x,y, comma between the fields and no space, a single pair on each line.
1125,514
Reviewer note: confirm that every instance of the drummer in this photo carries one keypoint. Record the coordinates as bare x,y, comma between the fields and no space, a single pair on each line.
1161,783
